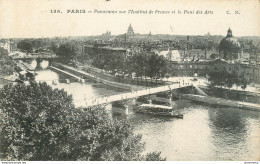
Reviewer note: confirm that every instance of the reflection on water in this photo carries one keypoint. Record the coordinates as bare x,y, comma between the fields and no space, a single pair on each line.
234,130
179,139
205,133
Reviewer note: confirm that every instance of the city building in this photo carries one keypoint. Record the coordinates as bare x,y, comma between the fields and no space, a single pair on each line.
229,47
188,68
103,49
171,55
10,46
191,68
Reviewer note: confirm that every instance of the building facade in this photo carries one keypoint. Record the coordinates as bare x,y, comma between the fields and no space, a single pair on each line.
191,68
95,50
10,46
229,47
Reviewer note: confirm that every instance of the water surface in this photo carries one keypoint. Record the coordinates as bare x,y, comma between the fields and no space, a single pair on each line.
205,132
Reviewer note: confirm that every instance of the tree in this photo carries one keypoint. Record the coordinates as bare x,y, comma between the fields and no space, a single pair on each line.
25,45
104,139
138,64
156,66
222,73
66,52
6,63
53,47
155,156
100,61
109,61
242,80
35,125
41,123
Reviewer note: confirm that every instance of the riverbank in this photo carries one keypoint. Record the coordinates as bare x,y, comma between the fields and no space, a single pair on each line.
98,78
145,82
221,102
236,95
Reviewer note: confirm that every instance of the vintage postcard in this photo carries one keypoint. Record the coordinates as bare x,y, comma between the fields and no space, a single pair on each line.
132,80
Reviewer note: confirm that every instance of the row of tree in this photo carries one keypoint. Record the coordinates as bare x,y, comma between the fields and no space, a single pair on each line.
143,64
63,49
41,123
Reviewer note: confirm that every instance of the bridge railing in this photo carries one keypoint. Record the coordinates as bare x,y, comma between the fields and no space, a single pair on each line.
132,94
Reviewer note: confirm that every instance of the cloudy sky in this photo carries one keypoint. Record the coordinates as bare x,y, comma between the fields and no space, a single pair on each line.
30,18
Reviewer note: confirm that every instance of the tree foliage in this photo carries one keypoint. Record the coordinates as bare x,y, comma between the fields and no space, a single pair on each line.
222,73
143,64
25,45
156,66
66,52
138,63
109,61
34,126
41,123
6,63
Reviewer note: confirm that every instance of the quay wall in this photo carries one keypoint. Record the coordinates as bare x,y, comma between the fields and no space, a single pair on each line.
221,102
73,77
238,95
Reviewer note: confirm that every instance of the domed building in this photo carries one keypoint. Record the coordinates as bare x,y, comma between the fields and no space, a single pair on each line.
130,31
229,47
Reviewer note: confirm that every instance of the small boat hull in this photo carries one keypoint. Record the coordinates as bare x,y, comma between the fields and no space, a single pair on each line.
166,115
157,110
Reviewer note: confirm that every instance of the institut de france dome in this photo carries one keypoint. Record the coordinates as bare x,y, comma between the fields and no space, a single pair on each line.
229,47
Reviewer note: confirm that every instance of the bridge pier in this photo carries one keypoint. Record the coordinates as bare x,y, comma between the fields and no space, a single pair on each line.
68,81
82,80
126,109
122,108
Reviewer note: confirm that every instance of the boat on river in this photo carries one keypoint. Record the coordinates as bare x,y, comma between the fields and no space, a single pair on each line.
158,110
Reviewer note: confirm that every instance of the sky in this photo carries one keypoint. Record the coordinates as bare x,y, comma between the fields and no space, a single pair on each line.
33,19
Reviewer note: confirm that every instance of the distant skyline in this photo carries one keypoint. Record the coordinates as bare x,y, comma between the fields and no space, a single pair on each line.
33,19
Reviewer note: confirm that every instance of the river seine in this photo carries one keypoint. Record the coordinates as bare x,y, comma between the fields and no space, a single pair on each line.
205,132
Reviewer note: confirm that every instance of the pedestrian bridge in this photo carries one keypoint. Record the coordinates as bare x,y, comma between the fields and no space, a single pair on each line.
132,94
